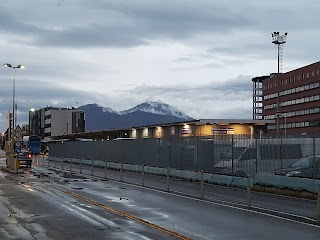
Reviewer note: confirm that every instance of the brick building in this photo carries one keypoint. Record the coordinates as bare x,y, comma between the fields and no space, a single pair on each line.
292,99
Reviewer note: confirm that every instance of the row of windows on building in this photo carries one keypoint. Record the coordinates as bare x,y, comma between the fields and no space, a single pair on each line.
294,113
292,79
293,102
295,125
293,90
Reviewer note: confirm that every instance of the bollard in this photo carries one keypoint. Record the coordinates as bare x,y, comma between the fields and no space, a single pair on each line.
142,175
168,179
248,192
92,167
120,172
81,165
201,185
318,205
105,169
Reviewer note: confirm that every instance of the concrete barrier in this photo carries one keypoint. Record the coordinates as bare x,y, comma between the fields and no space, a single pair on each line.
261,179
293,183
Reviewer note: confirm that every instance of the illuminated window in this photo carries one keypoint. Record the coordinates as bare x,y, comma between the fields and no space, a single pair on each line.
145,132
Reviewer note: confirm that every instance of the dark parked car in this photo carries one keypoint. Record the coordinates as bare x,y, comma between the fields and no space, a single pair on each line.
308,167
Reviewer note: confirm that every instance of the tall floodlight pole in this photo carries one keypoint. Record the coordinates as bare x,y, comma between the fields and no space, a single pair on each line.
13,95
278,40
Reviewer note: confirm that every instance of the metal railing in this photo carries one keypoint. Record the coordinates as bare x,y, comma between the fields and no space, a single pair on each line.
239,155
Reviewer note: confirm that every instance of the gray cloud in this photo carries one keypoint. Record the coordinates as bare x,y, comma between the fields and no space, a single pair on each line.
232,98
78,44
38,94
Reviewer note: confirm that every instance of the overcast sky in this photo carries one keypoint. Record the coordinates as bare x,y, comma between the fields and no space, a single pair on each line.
198,56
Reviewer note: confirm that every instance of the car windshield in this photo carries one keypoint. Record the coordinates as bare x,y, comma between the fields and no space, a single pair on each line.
303,162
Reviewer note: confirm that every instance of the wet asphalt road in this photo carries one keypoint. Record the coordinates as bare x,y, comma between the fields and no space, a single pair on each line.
282,205
32,207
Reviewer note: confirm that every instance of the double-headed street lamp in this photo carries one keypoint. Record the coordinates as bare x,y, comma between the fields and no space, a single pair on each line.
13,95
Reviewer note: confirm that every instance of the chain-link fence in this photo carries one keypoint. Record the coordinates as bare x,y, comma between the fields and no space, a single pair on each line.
239,155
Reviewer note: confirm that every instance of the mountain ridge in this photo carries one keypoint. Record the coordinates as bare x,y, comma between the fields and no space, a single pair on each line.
148,113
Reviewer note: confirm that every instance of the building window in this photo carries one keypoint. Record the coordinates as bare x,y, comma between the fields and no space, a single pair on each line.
312,73
308,75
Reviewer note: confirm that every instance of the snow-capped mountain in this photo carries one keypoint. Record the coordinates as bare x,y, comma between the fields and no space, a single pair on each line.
156,108
148,113
108,109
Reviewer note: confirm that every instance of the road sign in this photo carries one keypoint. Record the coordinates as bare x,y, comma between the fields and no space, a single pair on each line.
18,133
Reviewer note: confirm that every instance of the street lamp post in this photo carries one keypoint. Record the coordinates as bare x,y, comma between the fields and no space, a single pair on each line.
13,95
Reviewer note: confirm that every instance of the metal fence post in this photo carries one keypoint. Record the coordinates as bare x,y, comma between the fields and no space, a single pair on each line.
318,205
55,162
213,158
80,165
105,169
232,160
42,160
197,151
168,177
142,175
121,172
92,167
248,192
281,160
201,185
257,153
62,163
70,167
314,156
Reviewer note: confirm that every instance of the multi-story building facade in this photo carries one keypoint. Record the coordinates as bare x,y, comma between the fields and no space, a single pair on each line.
257,96
292,99
52,121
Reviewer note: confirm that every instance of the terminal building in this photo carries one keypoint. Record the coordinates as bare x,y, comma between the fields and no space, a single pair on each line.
192,128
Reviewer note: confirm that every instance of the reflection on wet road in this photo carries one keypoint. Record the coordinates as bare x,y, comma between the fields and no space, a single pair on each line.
56,205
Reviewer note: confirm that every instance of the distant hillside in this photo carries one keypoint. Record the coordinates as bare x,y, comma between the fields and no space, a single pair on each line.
148,113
